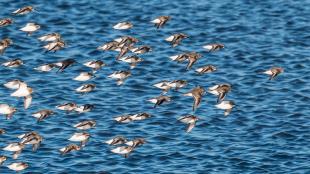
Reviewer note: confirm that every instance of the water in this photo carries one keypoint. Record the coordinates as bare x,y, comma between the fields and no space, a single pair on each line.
267,132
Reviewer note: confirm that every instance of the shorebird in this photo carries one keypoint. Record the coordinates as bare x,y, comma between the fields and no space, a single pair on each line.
165,86
13,84
159,100
4,44
113,45
42,114
226,105
2,159
5,22
13,63
84,76
273,72
32,138
116,141
7,110
85,88
160,21
197,93
120,76
51,37
2,131
140,116
176,39
123,26
45,67
54,46
132,60
84,108
23,10
206,69
220,90
136,142
192,58
179,57
67,107
128,41
84,125
82,137
124,119
29,28
16,148
69,148
213,47
24,91
64,64
177,84
123,150
190,120
141,49
95,65
18,166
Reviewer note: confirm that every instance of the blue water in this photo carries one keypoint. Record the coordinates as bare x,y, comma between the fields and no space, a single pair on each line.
267,132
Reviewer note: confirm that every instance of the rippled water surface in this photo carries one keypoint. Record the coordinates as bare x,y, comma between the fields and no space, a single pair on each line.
267,132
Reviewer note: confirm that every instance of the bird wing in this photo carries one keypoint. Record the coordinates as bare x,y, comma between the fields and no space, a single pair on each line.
27,101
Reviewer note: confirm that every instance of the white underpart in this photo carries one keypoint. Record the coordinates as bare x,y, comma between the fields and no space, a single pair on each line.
5,109
48,38
174,57
122,26
49,46
269,72
170,38
84,76
213,90
13,147
14,84
78,137
120,150
17,166
156,21
224,105
208,47
43,68
30,27
153,100
22,91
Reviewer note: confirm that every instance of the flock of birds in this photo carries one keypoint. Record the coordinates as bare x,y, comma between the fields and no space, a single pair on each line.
123,45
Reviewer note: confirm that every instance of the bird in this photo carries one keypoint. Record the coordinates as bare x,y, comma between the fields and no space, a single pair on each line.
13,63
18,166
23,10
16,148
116,141
226,105
274,72
95,65
84,125
123,51
141,49
165,86
179,57
136,142
29,28
24,91
123,26
4,44
46,67
84,108
120,76
67,107
132,60
2,159
82,137
160,21
123,119
140,116
64,64
5,22
32,138
128,41
112,45
159,100
206,69
175,39
2,131
69,148
197,93
13,84
123,150
51,37
42,114
213,47
85,88
7,110
220,90
84,76
177,84
190,120
192,58
54,46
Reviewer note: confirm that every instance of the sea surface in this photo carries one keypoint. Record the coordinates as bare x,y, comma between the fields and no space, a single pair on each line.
267,132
